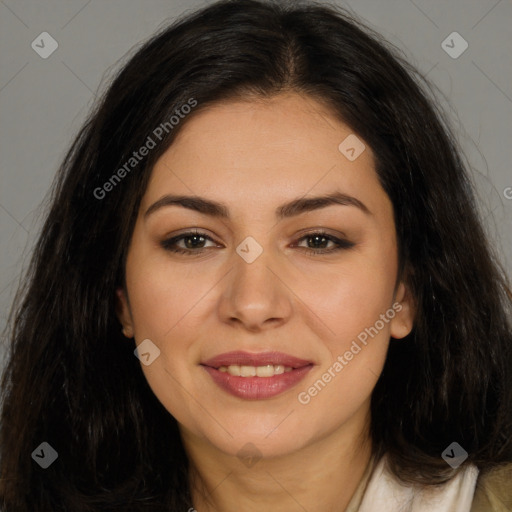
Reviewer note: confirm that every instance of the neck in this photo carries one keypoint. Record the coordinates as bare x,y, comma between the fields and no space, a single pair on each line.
320,477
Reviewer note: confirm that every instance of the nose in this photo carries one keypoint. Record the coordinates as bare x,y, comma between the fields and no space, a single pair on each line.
256,295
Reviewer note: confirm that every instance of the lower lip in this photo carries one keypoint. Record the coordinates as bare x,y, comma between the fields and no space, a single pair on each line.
257,388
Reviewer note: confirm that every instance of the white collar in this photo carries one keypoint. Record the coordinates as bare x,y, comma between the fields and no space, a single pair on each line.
384,493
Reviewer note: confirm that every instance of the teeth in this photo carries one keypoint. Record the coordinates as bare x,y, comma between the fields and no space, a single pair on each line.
255,371
247,371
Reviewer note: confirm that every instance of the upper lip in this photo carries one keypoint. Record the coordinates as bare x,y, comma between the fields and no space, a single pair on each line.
261,359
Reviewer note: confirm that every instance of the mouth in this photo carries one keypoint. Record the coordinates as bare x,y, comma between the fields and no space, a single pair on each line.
256,376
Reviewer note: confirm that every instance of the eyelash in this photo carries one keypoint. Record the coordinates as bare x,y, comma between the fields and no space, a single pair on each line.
169,245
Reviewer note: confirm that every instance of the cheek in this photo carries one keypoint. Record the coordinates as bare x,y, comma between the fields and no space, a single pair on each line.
355,351
162,307
160,297
354,299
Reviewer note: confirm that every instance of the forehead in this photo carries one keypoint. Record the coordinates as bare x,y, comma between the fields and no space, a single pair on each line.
257,154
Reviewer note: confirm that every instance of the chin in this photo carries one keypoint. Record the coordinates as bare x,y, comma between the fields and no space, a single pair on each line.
264,442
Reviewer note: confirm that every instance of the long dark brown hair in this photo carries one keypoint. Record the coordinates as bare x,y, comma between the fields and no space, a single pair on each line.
72,379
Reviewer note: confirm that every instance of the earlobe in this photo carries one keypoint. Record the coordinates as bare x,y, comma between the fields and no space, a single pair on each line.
123,313
403,322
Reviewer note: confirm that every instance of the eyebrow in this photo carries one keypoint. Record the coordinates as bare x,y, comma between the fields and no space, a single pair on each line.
290,209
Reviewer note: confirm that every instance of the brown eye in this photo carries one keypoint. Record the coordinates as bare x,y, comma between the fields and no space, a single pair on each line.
321,239
193,242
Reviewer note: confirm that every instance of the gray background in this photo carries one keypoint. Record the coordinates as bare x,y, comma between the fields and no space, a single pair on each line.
44,101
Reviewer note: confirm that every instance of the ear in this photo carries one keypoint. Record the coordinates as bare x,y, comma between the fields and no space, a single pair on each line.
403,321
123,312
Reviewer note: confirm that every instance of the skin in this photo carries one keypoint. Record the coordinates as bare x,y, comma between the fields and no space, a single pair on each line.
253,156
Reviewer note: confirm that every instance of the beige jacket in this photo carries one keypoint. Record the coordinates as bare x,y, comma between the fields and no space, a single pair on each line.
493,491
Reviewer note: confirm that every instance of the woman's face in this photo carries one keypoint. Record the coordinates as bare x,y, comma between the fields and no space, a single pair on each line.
257,280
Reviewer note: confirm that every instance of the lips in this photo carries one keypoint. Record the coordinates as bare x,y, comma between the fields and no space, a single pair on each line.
249,387
241,358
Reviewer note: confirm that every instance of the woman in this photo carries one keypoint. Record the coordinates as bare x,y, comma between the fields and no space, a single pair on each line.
256,287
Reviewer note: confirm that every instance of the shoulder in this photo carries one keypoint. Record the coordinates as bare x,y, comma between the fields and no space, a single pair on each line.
493,491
